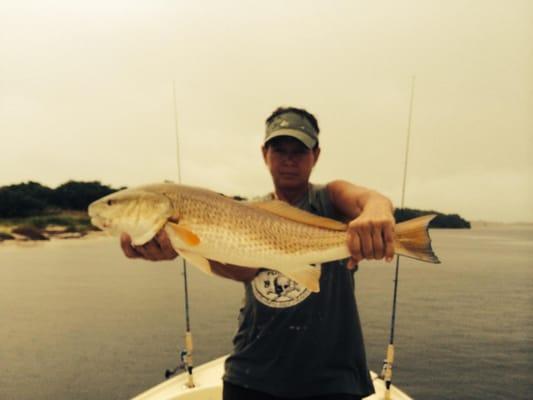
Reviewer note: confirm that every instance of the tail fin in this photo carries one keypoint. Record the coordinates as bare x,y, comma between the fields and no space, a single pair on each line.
412,239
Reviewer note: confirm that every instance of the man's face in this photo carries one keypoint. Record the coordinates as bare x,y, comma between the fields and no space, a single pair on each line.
290,162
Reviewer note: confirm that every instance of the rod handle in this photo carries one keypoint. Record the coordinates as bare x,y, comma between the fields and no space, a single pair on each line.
188,358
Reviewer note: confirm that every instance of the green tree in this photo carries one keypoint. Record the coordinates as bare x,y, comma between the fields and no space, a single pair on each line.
14,204
76,195
24,199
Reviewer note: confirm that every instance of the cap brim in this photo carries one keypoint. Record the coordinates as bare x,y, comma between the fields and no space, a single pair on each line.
301,136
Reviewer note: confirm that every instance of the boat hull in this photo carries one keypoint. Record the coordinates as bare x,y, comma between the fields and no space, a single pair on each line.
208,386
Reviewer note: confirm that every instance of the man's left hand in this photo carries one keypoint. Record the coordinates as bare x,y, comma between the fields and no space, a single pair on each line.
371,236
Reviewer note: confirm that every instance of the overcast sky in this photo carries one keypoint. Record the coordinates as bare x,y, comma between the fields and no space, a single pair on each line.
86,94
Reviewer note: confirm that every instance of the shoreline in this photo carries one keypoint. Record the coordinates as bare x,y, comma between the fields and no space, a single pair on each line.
56,237
29,243
67,224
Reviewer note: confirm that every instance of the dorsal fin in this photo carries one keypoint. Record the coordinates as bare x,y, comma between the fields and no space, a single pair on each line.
287,211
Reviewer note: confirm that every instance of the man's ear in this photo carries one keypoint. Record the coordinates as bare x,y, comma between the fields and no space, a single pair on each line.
264,151
316,152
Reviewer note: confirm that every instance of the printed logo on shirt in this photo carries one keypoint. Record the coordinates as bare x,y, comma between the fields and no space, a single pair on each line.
274,289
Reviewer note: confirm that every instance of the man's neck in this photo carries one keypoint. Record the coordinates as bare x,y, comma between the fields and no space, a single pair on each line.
291,196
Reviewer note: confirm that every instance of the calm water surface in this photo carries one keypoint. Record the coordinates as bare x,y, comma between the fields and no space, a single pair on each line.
80,321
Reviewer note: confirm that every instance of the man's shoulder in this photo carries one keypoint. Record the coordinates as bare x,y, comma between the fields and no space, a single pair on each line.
321,200
318,188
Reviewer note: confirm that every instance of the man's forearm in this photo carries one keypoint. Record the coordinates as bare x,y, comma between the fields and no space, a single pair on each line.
241,274
371,229
352,200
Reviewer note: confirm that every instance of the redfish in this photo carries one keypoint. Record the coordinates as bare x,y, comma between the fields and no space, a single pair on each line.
203,225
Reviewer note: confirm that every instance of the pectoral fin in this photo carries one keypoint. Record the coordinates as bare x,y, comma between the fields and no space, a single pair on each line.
307,276
196,260
185,234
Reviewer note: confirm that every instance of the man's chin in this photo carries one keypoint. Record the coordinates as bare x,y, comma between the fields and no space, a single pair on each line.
290,182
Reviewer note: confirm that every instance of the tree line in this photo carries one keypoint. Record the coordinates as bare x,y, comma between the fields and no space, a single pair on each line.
32,198
440,221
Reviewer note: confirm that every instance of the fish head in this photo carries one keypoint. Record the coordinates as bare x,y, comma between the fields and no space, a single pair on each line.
138,212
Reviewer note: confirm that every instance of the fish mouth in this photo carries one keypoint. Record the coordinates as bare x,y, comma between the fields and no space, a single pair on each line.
97,220
100,222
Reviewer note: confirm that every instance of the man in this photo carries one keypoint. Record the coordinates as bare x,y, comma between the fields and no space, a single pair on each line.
292,343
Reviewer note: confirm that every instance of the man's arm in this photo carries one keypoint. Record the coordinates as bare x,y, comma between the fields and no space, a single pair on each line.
371,226
160,248
241,274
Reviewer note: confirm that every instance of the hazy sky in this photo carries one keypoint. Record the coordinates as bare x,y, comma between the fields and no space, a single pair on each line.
86,94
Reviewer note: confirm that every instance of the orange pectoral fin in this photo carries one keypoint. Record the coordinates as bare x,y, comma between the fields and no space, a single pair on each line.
185,234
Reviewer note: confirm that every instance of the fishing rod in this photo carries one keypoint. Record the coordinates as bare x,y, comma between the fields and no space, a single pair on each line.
386,372
185,355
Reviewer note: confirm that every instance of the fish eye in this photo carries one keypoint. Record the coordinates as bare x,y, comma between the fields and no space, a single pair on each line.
110,202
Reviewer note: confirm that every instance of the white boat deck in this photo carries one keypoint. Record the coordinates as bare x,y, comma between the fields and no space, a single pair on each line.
208,381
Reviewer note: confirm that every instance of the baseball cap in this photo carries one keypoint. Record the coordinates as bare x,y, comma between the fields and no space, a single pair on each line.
294,125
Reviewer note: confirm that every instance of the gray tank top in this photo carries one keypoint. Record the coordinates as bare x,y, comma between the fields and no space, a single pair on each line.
294,343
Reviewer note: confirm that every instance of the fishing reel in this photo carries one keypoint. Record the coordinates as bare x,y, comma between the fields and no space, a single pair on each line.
182,366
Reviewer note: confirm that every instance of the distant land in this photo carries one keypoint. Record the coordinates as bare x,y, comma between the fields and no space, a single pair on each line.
449,221
488,224
31,211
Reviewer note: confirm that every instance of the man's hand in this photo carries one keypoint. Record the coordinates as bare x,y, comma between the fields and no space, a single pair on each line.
371,236
157,249
371,229
160,248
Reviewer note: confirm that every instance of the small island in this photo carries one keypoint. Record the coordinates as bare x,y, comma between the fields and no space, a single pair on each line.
448,221
31,211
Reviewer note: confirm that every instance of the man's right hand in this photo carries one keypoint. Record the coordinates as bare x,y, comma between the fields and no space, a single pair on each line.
157,249
160,248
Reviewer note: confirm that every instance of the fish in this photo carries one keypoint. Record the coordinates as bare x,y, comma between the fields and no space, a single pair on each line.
204,225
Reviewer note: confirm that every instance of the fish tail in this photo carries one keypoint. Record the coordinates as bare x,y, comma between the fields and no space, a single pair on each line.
412,239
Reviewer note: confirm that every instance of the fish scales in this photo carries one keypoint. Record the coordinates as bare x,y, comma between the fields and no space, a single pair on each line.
236,219
248,230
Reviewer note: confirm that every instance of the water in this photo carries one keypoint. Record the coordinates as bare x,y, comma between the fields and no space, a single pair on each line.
80,321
